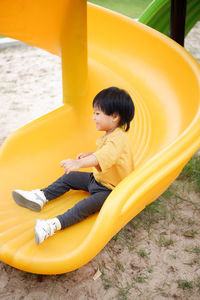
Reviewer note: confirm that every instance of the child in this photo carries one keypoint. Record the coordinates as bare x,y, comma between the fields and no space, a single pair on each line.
111,162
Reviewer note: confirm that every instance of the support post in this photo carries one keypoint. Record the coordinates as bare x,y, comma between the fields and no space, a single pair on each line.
178,20
74,53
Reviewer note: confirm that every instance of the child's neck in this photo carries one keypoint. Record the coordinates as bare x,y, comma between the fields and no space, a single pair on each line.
109,131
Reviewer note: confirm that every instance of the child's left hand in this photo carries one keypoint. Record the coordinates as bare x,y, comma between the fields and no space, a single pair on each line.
70,165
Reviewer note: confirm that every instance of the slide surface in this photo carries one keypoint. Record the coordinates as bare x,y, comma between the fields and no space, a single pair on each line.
157,15
164,134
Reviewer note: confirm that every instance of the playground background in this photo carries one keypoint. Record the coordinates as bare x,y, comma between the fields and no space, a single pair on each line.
157,255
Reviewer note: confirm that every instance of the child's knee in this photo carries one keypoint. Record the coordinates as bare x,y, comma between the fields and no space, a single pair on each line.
91,204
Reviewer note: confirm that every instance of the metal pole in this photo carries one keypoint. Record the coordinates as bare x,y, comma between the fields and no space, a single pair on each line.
178,19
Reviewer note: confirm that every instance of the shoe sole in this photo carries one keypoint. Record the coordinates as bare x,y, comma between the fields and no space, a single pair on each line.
37,240
20,200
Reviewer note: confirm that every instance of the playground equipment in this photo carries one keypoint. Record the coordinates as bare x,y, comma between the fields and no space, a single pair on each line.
162,78
157,15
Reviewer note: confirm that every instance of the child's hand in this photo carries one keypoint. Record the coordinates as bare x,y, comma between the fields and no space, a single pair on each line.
70,165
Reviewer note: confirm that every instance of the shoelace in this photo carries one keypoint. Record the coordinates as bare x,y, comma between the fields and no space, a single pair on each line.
51,229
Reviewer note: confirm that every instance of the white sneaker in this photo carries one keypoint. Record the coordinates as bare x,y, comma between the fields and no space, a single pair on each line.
44,229
33,200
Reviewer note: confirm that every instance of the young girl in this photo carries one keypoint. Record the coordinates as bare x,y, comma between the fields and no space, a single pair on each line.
111,162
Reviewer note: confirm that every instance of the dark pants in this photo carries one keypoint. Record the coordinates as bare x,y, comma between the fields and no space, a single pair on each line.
84,208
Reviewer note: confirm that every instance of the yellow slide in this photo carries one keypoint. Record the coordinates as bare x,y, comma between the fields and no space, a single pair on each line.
112,50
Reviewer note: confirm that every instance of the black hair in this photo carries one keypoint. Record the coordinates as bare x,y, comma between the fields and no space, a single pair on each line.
116,101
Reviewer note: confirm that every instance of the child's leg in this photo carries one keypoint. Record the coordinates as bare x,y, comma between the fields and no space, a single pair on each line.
74,180
36,199
83,209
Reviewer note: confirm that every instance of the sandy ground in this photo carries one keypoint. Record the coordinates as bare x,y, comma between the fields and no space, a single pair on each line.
156,256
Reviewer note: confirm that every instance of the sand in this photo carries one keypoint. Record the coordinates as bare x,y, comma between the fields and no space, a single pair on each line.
156,256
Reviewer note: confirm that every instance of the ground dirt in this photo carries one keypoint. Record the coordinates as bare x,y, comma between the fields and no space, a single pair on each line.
155,256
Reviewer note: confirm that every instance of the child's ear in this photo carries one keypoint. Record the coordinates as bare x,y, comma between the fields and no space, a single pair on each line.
116,118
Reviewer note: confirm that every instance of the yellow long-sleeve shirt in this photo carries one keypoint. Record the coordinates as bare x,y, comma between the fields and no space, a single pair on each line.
115,158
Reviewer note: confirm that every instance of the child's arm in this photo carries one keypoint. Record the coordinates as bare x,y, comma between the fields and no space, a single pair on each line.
75,164
82,155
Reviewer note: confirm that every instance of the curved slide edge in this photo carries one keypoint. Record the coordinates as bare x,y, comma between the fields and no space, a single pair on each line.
157,15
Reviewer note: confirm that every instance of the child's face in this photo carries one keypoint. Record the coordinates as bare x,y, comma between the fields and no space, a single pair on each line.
105,122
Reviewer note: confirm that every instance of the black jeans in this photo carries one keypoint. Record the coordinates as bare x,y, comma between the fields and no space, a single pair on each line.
84,208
